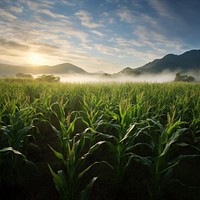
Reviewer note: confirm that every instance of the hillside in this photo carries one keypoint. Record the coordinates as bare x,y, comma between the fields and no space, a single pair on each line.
65,68
128,72
186,62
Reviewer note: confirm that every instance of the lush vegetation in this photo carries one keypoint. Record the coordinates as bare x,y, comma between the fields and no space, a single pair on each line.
184,78
99,141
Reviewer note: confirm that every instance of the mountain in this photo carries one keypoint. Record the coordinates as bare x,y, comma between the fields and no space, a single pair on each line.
9,69
128,72
188,61
65,68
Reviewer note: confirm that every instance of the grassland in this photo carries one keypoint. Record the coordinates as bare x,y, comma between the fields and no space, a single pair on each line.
99,141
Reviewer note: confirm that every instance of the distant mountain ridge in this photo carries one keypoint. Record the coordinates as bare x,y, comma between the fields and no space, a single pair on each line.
65,68
186,62
128,71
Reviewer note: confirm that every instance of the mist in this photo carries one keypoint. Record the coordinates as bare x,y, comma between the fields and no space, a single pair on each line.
150,78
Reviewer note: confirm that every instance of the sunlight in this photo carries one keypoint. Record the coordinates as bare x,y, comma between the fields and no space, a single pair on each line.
36,59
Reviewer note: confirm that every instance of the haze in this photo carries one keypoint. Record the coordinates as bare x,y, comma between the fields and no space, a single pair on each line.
159,78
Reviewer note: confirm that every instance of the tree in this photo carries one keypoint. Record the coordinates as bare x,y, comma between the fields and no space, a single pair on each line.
22,75
184,78
48,78
190,79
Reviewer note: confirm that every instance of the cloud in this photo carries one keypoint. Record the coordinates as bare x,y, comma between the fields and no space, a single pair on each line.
6,15
109,19
46,48
16,9
6,53
147,19
125,15
73,32
12,52
132,16
54,15
12,45
123,51
127,42
107,49
145,56
68,2
155,40
113,1
161,8
86,19
98,33
35,5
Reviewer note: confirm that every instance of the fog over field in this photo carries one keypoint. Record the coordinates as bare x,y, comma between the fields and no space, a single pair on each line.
157,78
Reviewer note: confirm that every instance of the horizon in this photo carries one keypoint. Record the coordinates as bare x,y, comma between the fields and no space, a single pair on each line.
109,35
166,71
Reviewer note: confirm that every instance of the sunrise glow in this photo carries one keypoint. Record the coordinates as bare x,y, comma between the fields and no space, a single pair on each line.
36,59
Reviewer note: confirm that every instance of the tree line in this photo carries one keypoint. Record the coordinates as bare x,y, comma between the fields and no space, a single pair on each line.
43,77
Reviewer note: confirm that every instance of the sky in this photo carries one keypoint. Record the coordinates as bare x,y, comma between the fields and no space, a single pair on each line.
96,35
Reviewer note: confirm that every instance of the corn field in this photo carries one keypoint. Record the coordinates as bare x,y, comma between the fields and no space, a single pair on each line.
133,141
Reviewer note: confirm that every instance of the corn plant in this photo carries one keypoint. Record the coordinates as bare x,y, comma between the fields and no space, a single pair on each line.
73,155
121,140
66,126
69,181
91,116
14,134
164,139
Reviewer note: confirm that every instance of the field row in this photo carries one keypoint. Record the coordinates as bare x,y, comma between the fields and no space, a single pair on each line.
100,141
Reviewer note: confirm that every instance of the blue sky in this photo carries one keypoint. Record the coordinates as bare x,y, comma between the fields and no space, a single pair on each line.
96,35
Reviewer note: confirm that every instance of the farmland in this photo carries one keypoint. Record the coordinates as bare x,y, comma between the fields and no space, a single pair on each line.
99,141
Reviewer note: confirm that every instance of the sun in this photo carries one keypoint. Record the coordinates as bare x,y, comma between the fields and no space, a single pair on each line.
36,59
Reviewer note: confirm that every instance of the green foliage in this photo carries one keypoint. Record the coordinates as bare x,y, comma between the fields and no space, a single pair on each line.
102,129
184,78
15,131
22,75
73,155
48,78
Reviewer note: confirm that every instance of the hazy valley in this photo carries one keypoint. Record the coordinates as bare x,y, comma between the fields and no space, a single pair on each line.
159,70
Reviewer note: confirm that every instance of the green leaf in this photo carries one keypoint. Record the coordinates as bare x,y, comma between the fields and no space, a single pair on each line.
60,184
71,127
21,135
174,137
173,126
11,149
56,153
86,169
65,189
127,133
85,194
143,160
80,144
112,147
96,146
56,130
